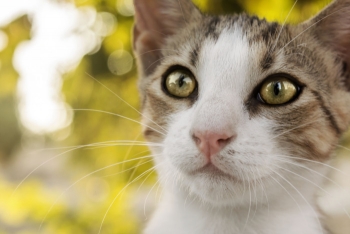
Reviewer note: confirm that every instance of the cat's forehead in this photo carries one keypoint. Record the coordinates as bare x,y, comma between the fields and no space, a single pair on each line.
245,47
255,28
258,35
256,31
227,62
231,50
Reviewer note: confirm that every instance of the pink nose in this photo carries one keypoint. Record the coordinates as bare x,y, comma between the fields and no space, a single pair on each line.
211,143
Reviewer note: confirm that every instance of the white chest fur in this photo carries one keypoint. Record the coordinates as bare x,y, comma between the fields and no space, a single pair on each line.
183,217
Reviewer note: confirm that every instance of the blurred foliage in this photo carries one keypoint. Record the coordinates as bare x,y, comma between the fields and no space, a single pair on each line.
92,91
10,134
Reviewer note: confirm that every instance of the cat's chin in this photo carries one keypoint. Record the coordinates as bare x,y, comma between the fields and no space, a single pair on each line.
213,186
213,172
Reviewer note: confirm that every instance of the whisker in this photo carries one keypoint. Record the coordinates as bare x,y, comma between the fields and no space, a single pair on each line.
312,25
311,170
133,168
134,171
186,62
121,116
30,173
124,101
250,204
302,196
115,198
103,142
292,129
157,194
290,195
341,146
156,31
316,162
302,45
150,51
255,193
263,189
157,61
144,204
284,23
319,187
58,155
185,202
129,150
119,144
140,185
87,175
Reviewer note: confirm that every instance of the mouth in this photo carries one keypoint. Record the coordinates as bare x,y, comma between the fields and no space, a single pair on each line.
212,171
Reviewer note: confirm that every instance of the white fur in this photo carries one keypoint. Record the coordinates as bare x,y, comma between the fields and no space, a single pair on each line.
258,201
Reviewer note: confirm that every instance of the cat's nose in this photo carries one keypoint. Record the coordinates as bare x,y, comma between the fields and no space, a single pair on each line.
211,143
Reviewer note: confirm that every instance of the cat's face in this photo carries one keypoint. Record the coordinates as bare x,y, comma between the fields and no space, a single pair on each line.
235,100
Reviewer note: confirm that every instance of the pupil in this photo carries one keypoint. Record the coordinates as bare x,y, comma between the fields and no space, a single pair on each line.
277,89
181,81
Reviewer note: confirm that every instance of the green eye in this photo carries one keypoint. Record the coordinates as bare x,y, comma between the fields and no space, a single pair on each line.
180,83
278,90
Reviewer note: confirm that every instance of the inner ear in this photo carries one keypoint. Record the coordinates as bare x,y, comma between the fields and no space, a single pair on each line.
155,21
332,28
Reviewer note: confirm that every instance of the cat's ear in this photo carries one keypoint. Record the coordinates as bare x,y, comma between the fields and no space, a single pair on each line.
332,27
155,21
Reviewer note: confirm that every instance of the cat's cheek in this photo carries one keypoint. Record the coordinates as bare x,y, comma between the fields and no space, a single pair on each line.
179,148
184,157
342,109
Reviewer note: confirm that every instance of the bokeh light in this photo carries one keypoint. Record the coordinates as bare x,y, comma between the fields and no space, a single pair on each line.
105,24
125,7
120,62
3,40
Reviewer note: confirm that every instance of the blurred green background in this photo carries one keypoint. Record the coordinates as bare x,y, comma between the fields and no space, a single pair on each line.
69,178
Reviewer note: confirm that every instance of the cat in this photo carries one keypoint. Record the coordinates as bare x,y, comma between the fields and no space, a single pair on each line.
248,114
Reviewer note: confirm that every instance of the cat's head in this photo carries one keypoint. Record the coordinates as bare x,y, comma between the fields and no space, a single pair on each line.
235,99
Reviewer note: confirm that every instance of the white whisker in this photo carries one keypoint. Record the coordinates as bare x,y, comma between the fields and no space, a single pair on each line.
121,116
263,189
292,129
133,168
302,196
82,178
284,23
316,162
125,101
290,195
144,204
313,183
312,25
97,143
311,170
129,150
250,204
65,152
115,198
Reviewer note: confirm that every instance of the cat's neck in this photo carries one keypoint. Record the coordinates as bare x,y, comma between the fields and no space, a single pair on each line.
178,217
285,212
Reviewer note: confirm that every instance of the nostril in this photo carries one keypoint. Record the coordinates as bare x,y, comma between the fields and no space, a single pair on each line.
223,142
196,139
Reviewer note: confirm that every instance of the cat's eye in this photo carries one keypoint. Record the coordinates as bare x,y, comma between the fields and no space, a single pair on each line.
180,83
278,90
